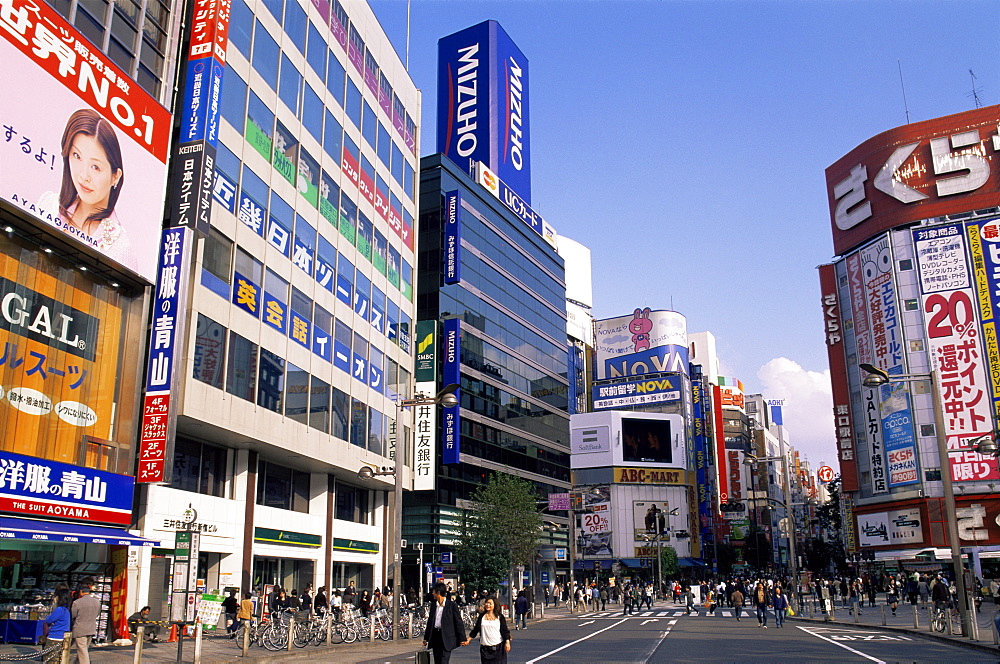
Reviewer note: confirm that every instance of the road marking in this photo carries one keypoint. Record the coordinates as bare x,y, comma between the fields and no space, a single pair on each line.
589,622
856,652
672,622
573,643
648,621
656,645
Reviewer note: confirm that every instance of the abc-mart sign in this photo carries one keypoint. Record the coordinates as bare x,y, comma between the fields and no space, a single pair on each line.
918,171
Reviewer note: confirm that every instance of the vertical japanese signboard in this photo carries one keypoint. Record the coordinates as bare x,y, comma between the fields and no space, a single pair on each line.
159,418
451,373
863,336
895,415
838,377
185,577
425,417
703,460
984,249
452,237
193,167
949,308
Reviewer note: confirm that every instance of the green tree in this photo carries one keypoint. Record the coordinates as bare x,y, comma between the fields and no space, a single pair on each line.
508,506
668,562
502,530
482,559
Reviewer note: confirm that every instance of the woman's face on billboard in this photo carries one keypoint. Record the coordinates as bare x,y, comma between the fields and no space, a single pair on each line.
91,171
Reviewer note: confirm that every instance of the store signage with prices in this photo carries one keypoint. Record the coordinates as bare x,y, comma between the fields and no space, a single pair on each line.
54,490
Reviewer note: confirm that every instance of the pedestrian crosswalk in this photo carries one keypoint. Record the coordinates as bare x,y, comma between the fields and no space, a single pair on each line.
669,613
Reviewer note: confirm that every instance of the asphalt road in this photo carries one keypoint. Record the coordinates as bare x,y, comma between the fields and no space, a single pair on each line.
669,636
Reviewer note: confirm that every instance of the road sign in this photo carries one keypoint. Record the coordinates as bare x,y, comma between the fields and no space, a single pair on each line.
446,558
825,474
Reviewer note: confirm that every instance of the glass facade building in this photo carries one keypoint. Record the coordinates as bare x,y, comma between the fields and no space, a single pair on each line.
511,303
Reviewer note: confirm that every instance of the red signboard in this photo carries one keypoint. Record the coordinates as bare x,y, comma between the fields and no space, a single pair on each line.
153,438
825,474
210,29
838,378
917,171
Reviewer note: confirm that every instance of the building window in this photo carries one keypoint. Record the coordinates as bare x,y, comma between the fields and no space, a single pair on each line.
281,487
271,381
241,377
217,263
209,351
353,504
199,467
905,264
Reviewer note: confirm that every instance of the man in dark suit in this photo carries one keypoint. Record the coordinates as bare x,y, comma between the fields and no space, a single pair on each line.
445,630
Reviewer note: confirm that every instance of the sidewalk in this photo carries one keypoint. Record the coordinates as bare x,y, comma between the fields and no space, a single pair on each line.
222,650
903,621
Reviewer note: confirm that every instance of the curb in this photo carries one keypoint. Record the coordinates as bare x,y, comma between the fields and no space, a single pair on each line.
959,641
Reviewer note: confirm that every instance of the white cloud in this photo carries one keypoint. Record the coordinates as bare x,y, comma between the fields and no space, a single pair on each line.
808,409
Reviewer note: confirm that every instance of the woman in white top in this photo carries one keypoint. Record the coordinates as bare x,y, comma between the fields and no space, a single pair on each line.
494,637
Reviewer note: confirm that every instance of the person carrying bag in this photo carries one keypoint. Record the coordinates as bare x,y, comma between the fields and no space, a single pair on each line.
494,636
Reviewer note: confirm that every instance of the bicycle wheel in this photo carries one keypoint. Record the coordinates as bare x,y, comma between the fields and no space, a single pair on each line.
276,638
937,623
350,633
303,635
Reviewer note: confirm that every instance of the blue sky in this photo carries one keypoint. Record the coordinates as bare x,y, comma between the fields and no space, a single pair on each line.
685,143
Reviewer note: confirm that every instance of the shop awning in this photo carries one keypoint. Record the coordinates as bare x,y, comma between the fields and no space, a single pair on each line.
690,562
52,531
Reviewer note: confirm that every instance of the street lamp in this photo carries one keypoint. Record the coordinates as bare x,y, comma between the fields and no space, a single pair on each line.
792,560
446,398
876,378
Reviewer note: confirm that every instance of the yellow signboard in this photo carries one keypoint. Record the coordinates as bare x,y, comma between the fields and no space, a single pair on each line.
59,348
650,476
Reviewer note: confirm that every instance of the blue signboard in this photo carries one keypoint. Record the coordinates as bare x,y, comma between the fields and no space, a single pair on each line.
667,358
53,490
160,366
451,373
200,112
483,104
655,389
452,237
702,450
224,192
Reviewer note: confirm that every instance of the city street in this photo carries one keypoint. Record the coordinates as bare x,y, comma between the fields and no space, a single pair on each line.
663,634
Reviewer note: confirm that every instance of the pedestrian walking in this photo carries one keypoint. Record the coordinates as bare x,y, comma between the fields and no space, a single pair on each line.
604,598
626,601
689,600
892,595
736,600
494,637
780,605
445,630
760,601
520,611
230,607
84,612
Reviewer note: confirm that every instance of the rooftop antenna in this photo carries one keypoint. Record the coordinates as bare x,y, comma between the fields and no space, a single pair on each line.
974,93
406,65
906,106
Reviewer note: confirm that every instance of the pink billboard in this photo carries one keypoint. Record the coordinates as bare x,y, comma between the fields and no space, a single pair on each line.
89,158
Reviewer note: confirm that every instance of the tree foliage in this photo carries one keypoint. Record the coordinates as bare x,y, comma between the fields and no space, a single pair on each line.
669,567
482,559
507,506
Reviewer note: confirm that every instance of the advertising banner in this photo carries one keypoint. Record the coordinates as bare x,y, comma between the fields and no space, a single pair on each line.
917,171
59,348
53,490
953,342
451,373
984,249
91,159
662,389
650,518
645,342
452,237
595,522
890,528
493,184
896,417
702,450
159,419
722,475
838,377
482,110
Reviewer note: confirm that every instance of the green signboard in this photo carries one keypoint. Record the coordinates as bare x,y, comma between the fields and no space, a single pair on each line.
272,536
425,370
